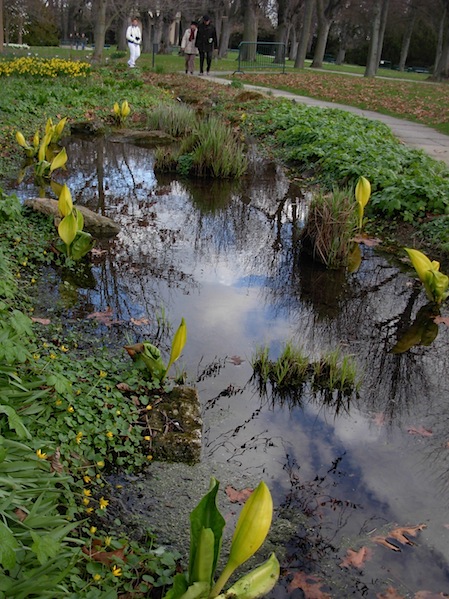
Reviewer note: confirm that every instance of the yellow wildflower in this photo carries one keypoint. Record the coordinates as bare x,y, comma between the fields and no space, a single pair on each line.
89,510
87,492
41,455
87,479
78,437
86,501
149,407
107,541
100,464
149,458
103,503
118,412
116,571
52,356
58,402
93,530
109,435
103,374
96,577
147,438
64,348
70,409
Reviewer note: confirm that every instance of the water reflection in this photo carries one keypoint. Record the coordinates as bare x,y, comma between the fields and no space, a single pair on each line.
226,257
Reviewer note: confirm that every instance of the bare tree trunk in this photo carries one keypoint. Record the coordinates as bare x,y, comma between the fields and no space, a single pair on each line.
304,34
406,39
372,62
122,24
441,69
383,25
100,30
340,55
250,27
225,34
324,24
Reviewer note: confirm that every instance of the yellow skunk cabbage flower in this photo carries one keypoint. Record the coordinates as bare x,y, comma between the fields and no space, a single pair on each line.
65,204
20,139
59,160
179,340
59,129
117,109
435,283
250,532
362,195
125,109
68,229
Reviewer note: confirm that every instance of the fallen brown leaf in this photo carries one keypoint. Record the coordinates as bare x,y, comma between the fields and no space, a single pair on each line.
45,321
21,515
236,360
55,463
420,430
399,535
368,241
238,496
400,532
356,559
104,557
104,317
441,320
309,585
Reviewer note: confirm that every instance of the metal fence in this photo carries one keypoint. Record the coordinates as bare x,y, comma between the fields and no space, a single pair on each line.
261,55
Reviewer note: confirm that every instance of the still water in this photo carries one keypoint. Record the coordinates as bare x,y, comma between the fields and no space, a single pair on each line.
226,257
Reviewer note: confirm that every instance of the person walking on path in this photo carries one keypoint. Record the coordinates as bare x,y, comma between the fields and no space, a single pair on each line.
188,46
206,42
134,39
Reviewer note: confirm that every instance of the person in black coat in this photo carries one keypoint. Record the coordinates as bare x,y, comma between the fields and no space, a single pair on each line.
206,42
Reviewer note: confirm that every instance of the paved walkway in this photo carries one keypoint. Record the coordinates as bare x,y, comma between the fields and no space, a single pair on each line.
412,134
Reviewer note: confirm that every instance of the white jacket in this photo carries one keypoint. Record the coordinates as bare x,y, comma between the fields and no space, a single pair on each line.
134,35
188,46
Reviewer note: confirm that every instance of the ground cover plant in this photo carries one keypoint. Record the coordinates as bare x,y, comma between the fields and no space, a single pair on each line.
339,147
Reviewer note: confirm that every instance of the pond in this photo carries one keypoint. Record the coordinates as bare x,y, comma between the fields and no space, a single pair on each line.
343,475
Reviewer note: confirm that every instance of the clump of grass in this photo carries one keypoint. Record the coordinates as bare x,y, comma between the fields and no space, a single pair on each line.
175,119
210,150
330,228
332,372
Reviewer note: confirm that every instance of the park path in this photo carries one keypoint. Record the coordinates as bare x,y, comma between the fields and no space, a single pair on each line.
415,135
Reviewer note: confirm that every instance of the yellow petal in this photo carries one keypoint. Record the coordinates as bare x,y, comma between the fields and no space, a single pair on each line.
65,204
20,139
125,108
363,191
117,109
60,126
420,262
59,160
67,228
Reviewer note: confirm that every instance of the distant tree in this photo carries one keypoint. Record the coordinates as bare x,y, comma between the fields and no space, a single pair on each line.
441,68
2,39
379,20
304,33
326,12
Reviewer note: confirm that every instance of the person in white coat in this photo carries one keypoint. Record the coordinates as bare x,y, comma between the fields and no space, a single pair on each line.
134,39
188,46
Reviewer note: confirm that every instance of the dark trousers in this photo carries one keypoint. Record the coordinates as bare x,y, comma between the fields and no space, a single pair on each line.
208,57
